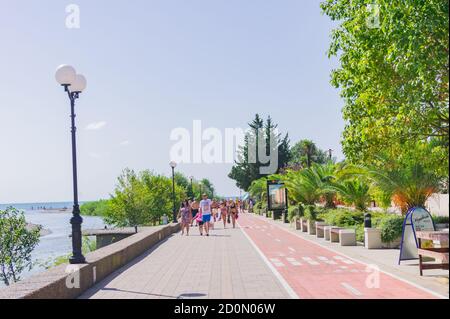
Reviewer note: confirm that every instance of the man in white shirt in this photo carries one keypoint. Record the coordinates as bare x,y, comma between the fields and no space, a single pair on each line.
205,210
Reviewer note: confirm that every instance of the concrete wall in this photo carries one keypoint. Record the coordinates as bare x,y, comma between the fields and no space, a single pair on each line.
56,283
437,204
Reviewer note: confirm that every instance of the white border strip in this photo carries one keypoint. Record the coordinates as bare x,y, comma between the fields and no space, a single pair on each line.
283,282
436,294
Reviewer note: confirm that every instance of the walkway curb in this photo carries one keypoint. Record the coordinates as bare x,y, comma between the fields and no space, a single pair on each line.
70,281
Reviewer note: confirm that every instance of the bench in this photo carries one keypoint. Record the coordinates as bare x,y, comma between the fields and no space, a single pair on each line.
334,234
344,236
440,254
327,231
347,237
320,229
304,225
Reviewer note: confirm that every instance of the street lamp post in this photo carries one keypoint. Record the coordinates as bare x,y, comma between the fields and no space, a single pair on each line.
173,165
192,189
73,84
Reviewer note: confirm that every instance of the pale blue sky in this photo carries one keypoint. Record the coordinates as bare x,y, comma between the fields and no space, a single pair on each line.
153,66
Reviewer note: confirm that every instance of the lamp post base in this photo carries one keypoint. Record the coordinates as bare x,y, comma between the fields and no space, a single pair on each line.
77,260
76,221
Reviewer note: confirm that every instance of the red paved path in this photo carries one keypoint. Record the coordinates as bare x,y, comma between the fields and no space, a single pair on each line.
313,271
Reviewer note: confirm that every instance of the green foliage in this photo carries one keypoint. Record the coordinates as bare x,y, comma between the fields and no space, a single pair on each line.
342,217
258,189
142,199
408,184
17,242
97,208
440,219
311,212
303,186
353,192
393,78
304,153
88,245
293,211
390,225
244,172
309,185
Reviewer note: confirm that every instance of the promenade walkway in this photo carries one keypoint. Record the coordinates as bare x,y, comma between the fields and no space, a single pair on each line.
260,259
223,265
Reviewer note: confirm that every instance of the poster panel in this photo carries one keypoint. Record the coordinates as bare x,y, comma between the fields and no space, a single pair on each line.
417,219
276,196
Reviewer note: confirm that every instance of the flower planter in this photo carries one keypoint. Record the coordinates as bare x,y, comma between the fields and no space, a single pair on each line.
392,244
372,238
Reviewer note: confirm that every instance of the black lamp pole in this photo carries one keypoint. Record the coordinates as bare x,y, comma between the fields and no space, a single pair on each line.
76,220
173,196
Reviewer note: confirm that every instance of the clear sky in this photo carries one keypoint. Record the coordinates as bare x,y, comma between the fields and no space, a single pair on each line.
153,66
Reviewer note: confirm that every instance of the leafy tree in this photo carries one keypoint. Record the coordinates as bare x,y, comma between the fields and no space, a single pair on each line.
207,187
394,77
96,208
304,153
17,241
181,180
142,199
245,171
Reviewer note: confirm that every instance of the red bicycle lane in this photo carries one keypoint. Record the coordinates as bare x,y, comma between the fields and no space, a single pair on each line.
313,271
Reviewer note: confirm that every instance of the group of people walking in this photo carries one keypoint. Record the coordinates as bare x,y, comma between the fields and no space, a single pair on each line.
207,212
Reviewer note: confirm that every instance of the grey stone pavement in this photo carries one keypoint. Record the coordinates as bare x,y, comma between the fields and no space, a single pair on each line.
221,266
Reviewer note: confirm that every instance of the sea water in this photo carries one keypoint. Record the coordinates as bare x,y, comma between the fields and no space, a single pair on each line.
57,243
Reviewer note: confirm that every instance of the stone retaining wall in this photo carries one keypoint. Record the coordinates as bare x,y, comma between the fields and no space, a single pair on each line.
70,281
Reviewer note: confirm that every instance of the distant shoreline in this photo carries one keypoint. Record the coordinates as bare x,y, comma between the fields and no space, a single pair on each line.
52,210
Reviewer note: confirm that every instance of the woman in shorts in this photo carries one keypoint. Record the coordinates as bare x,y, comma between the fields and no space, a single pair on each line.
185,217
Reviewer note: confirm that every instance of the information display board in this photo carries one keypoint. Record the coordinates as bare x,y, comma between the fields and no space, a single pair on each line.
276,196
417,219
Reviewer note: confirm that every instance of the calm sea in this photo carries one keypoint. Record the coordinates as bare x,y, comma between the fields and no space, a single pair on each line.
57,243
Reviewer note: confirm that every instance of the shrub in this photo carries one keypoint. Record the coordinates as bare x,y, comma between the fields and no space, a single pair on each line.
391,227
311,212
440,219
293,211
342,217
17,242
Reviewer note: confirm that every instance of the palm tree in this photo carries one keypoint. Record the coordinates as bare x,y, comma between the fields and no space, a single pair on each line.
325,175
258,189
303,186
353,191
408,185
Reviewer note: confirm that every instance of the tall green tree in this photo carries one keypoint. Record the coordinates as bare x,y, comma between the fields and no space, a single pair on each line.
249,166
393,75
142,199
305,152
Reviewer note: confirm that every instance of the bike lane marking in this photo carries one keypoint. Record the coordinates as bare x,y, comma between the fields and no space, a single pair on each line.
325,273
